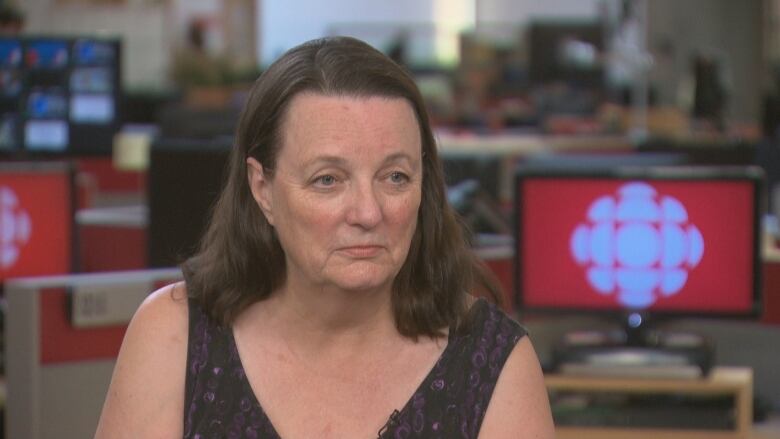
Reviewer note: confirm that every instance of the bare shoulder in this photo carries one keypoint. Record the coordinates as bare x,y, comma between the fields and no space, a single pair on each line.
169,301
146,395
161,320
519,406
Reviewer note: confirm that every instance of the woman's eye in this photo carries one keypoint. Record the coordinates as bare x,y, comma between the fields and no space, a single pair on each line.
325,180
399,177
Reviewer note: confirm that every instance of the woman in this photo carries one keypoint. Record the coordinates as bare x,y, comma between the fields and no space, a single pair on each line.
332,284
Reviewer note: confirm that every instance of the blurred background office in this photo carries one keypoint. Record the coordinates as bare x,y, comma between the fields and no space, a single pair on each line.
133,103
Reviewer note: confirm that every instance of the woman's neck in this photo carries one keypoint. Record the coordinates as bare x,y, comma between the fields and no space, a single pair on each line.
324,319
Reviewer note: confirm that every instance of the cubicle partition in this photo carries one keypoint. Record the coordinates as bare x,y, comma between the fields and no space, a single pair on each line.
63,334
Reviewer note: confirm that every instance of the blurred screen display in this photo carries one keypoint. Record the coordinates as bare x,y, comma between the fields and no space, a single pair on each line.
10,53
91,80
62,95
37,221
89,52
46,135
665,245
46,103
88,108
47,54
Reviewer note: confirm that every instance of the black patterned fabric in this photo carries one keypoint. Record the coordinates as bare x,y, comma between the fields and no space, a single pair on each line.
449,403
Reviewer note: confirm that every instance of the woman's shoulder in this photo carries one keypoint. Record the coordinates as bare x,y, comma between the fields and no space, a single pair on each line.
163,316
144,398
487,318
519,393
165,309
170,296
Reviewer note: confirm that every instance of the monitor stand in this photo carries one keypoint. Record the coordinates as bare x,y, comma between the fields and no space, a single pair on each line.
636,349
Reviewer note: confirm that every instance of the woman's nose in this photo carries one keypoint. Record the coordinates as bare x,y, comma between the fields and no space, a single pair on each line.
364,208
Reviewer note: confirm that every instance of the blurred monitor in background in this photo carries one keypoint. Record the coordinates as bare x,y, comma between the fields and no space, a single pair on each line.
37,206
648,240
60,95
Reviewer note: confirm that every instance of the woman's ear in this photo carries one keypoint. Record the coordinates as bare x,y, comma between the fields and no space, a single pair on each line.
260,186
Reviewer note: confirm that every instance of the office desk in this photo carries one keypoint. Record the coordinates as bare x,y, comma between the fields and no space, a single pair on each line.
769,429
722,381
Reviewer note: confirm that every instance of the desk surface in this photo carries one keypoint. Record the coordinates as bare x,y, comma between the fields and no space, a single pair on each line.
720,379
769,429
727,381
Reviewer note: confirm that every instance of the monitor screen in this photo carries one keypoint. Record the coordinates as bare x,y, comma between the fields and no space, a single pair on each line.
662,240
36,219
59,95
47,54
92,80
10,53
92,52
91,108
46,135
46,103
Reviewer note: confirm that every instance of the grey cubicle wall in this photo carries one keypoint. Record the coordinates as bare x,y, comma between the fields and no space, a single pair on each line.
62,335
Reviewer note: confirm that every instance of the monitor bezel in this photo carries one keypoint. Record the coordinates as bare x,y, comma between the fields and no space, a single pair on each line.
752,174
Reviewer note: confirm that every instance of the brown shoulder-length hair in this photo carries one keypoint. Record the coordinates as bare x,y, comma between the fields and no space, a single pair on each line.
240,260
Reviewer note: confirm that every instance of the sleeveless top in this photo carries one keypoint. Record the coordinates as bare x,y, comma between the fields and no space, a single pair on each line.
449,403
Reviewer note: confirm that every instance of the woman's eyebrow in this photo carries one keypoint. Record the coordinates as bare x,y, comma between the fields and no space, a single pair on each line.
401,157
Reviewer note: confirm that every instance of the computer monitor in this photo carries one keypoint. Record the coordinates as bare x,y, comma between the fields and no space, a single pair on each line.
639,242
37,204
59,95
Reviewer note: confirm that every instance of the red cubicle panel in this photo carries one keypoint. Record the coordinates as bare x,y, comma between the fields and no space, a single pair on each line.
58,366
772,292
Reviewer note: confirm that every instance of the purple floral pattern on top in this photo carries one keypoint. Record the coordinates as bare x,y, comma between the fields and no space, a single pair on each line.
449,403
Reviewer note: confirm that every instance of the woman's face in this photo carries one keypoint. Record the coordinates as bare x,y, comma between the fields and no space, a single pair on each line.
346,190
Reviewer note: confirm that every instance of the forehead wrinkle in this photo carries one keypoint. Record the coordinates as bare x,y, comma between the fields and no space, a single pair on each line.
342,162
352,122
324,159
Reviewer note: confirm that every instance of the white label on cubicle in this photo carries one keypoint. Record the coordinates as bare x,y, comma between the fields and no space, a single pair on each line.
106,305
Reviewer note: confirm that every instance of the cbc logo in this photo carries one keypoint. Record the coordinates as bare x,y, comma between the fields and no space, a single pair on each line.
15,227
638,245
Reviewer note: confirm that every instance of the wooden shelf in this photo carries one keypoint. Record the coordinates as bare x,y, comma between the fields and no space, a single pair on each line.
722,381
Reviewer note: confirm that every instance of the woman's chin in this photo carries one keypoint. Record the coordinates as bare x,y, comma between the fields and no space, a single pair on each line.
363,283
359,280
